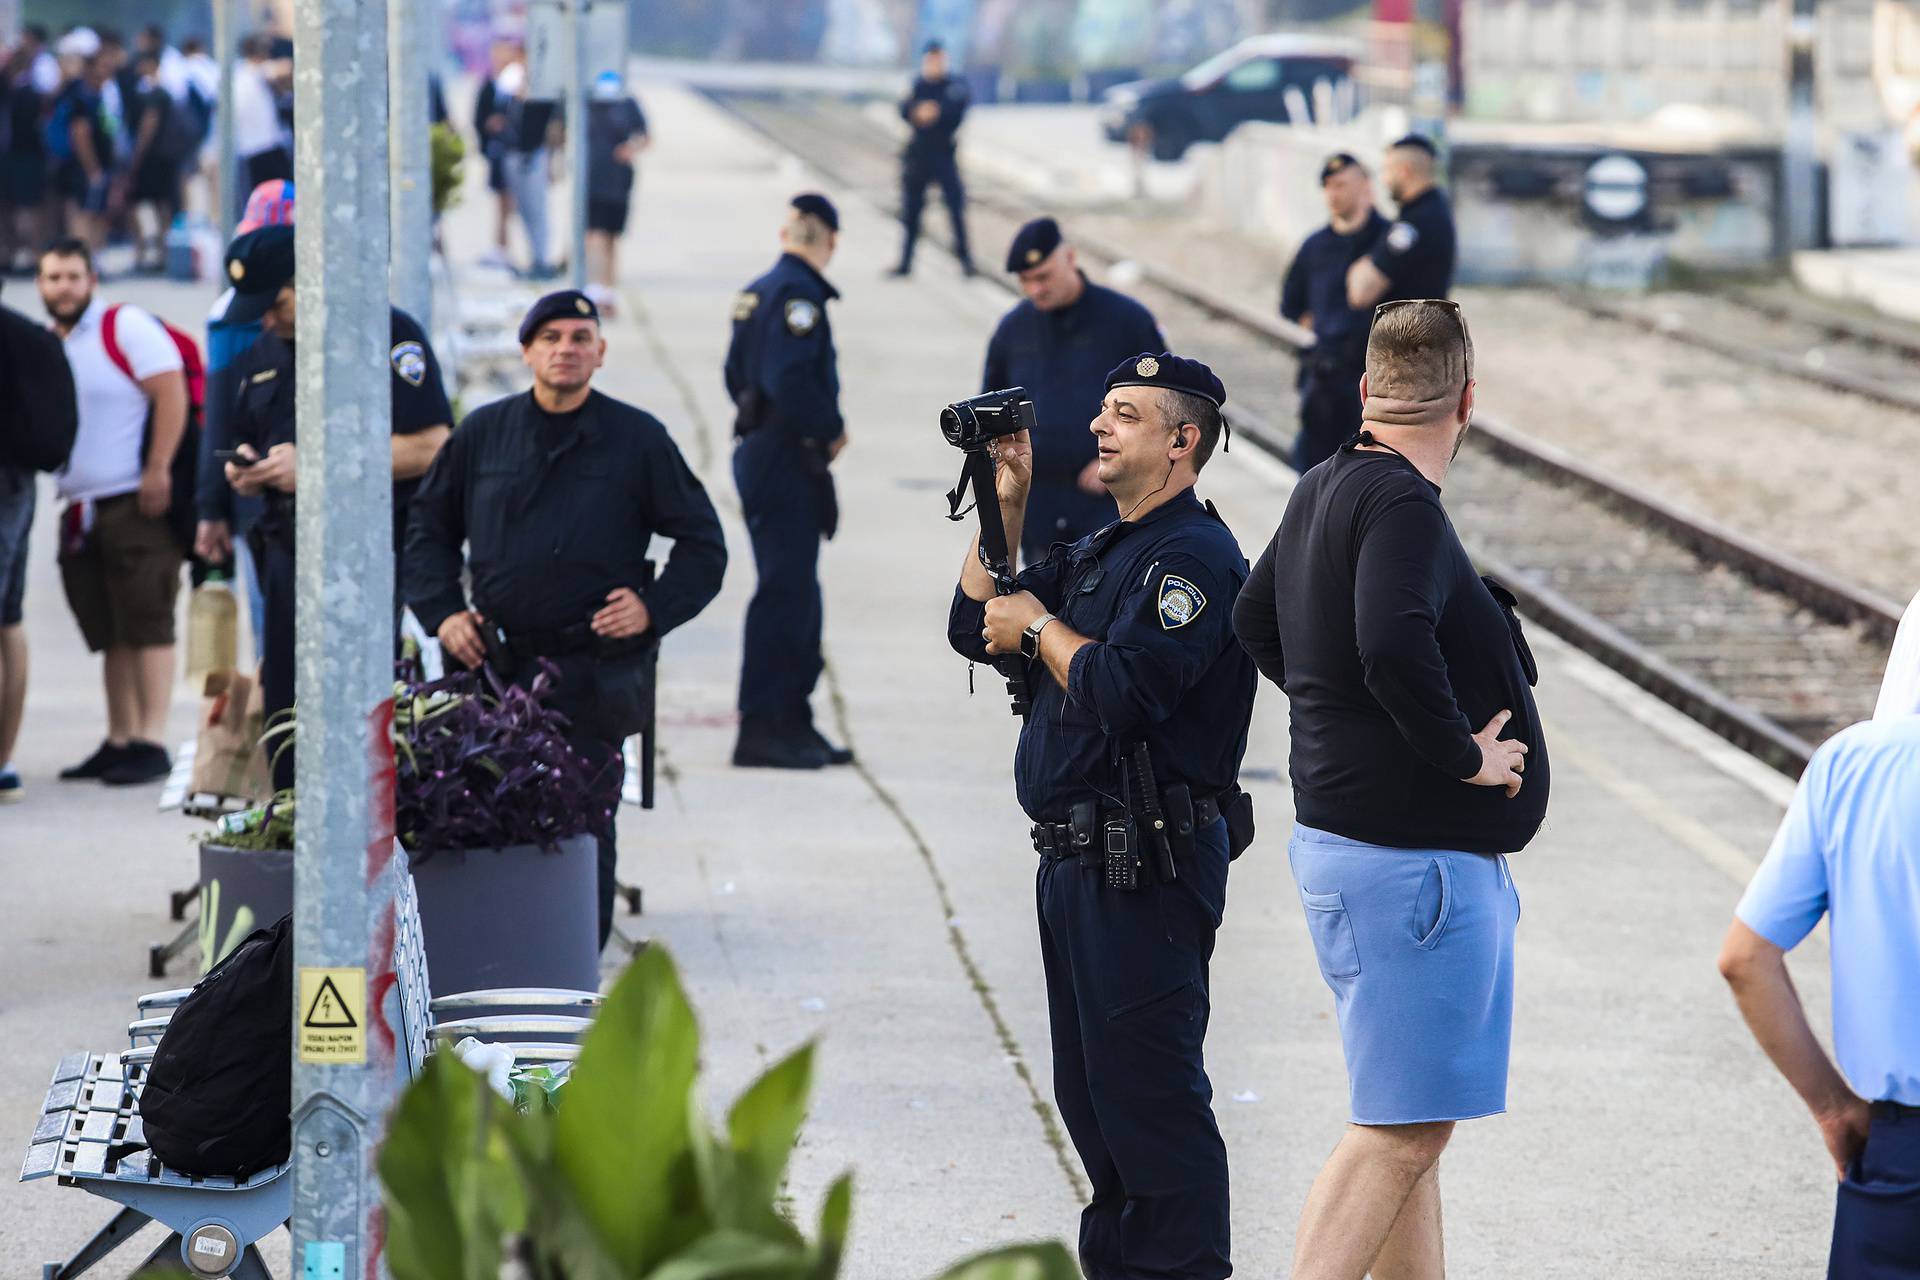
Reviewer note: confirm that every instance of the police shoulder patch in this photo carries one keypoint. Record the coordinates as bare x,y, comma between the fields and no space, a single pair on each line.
1180,602
410,362
744,305
1401,235
802,315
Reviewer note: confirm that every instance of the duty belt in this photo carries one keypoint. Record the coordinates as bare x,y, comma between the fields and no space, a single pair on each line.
567,641
1054,840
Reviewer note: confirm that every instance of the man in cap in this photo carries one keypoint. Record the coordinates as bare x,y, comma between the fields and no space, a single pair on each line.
1315,295
784,378
1413,258
557,495
933,110
260,420
1128,767
1059,343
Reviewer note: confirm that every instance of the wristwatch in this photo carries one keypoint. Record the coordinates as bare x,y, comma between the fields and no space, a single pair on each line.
1030,638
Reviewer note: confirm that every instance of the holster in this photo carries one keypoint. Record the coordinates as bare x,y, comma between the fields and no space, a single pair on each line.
1176,803
750,412
1238,812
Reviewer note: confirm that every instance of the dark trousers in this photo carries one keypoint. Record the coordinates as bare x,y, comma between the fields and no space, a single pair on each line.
1876,1224
915,174
1127,999
609,771
1329,415
780,661
1061,512
275,562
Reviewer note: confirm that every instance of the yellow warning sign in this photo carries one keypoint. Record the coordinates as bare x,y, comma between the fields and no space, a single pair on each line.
333,1015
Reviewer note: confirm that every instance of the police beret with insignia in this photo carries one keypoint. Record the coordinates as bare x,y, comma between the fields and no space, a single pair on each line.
1032,243
1339,162
1176,373
813,204
565,304
260,264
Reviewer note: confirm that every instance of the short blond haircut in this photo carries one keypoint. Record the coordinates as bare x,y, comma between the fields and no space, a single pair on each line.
805,229
1419,352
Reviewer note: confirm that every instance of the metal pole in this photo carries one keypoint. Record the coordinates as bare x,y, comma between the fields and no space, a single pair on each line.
344,1075
225,42
577,91
409,56
1799,159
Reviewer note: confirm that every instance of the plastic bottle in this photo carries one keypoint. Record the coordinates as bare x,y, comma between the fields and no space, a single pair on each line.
213,622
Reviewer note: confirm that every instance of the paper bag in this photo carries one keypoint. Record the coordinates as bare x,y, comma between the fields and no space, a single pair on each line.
228,759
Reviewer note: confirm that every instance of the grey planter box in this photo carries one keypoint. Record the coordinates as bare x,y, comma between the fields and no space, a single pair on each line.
518,917
240,890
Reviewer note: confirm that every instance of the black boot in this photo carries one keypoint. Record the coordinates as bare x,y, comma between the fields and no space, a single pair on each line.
764,743
804,731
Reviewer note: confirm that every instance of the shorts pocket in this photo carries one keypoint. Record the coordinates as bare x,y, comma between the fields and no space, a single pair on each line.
1433,904
1332,935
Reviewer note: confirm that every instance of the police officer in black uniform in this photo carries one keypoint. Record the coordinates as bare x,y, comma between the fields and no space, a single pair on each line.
933,111
262,429
1058,344
557,494
1314,294
785,382
1140,705
1414,258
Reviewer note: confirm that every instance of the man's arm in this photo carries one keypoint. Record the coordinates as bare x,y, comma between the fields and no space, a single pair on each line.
1256,620
797,360
1012,478
414,452
1366,284
1293,291
678,507
436,530
167,393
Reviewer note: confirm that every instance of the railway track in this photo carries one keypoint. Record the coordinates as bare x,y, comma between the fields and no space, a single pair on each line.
1772,653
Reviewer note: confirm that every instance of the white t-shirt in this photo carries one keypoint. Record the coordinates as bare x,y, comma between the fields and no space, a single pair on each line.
106,461
256,122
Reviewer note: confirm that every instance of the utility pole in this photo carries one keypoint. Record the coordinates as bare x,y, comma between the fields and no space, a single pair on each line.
225,42
344,1074
1799,157
577,90
411,40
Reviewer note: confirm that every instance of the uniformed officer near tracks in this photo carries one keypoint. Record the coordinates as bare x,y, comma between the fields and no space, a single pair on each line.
1059,343
1414,258
261,425
1129,640
557,494
785,382
933,110
1314,294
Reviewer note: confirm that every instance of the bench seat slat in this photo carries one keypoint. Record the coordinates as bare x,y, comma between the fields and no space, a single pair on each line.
42,1159
89,1158
98,1126
71,1067
63,1096
108,1095
52,1125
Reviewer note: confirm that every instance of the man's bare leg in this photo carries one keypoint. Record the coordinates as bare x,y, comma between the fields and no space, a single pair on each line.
154,689
13,688
120,668
1415,1248
1356,1201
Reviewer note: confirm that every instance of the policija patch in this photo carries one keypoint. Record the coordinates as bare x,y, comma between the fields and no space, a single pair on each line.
1180,602
801,317
410,362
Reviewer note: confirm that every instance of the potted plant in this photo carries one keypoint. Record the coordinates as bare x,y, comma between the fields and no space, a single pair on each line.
246,875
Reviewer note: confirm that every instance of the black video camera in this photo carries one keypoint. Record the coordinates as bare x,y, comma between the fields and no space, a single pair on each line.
972,424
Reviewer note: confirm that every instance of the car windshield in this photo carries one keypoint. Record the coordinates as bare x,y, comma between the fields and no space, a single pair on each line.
1215,67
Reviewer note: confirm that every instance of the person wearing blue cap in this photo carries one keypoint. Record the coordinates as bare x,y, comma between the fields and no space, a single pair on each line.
1059,343
784,378
1128,767
933,110
1415,257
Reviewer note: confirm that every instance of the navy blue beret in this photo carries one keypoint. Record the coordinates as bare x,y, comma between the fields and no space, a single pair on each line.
1418,141
1175,373
816,205
567,304
1032,243
1338,162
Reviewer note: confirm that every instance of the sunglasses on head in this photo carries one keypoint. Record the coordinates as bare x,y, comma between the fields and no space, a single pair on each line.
1452,308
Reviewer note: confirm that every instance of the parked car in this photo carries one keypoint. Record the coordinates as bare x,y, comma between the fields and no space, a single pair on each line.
1253,80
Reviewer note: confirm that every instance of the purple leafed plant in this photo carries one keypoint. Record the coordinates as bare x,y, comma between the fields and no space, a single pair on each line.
483,764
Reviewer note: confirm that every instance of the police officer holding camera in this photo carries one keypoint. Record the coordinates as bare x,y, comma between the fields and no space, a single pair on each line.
1128,765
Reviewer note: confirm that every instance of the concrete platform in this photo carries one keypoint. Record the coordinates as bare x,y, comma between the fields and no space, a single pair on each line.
887,910
1887,280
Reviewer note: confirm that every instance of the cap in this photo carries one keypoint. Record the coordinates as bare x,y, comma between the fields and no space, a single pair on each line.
270,205
1175,373
1032,243
1339,162
259,265
1418,141
567,304
933,46
816,205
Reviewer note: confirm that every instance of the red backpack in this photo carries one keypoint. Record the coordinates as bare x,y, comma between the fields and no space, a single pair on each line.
181,512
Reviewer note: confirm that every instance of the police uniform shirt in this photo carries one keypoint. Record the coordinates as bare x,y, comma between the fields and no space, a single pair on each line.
1316,285
1156,597
1062,358
262,381
555,515
1416,253
936,138
782,354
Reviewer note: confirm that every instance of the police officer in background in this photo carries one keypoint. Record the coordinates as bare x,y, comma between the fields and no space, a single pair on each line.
1315,295
1059,344
933,111
557,494
1415,257
1141,703
261,425
785,382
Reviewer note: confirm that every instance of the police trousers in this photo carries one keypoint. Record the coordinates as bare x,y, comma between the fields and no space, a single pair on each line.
915,173
1127,1000
780,660
1329,414
1876,1224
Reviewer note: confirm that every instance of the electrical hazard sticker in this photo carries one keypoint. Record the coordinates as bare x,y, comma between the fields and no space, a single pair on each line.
333,1015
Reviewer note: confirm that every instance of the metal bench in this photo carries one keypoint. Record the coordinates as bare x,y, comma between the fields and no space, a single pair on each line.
89,1132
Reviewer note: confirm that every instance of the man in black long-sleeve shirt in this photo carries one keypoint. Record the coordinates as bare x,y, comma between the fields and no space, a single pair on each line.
1391,649
558,493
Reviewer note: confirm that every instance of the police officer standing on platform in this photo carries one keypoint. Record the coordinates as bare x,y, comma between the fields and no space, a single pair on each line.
1415,256
1059,344
261,425
933,111
557,494
1128,766
784,378
1315,295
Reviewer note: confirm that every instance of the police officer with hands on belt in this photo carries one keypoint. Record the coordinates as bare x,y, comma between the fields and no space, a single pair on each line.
1315,295
265,454
1127,765
1415,257
784,378
557,494
1058,344
933,110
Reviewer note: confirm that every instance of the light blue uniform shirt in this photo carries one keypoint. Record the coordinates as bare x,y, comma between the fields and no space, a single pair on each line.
1850,846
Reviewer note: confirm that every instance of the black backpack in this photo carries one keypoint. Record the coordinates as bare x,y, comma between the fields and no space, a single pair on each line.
36,386
218,1099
